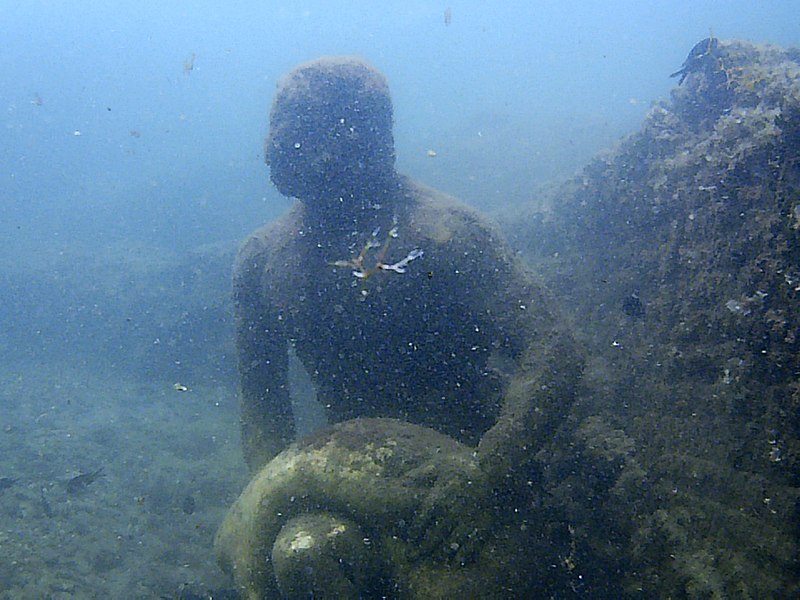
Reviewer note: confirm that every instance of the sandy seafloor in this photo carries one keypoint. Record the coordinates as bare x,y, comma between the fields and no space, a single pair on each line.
171,465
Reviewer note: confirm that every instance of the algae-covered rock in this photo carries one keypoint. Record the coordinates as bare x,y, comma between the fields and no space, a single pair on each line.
677,256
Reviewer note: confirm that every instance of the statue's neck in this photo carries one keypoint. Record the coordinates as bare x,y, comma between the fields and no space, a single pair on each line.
339,229
356,210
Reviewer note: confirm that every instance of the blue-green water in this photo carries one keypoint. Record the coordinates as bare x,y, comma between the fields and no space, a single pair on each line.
132,168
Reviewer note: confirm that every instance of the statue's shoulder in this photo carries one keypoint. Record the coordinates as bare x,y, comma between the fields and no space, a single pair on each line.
269,242
443,218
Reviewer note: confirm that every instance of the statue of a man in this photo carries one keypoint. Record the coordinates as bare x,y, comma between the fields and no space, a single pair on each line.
432,350
399,301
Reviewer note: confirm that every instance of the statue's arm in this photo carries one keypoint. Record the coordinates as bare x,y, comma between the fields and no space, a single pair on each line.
526,329
266,415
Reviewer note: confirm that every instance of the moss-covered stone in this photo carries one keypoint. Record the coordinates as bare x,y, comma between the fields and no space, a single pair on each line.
318,555
677,257
414,496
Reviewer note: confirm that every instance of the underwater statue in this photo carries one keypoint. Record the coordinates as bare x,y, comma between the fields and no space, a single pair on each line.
439,359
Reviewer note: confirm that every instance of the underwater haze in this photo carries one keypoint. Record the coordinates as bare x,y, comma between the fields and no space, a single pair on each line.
146,120
133,166
135,129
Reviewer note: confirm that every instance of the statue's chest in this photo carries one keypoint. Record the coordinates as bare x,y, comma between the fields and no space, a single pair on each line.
338,308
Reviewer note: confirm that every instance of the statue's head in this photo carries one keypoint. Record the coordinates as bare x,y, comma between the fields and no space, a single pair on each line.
330,132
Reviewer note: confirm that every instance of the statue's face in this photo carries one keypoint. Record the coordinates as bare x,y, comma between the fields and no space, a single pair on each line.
330,135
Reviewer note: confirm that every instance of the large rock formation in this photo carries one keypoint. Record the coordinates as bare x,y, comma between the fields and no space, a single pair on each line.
677,255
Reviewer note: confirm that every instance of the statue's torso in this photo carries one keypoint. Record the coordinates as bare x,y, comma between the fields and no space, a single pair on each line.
404,345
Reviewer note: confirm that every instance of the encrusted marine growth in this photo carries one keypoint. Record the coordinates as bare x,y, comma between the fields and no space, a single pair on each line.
364,272
701,57
698,212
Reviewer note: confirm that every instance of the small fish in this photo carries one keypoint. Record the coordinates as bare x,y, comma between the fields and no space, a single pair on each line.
188,64
179,387
633,306
188,504
6,482
84,480
46,506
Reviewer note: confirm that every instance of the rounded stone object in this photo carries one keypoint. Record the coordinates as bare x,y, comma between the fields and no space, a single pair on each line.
418,495
320,555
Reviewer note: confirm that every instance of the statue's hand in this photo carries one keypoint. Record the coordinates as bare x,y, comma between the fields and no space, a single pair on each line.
453,518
